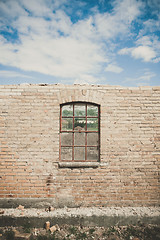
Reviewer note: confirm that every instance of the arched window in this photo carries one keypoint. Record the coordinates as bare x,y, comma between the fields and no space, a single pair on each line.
79,132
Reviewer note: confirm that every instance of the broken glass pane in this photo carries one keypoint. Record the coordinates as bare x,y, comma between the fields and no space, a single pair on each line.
79,124
92,153
67,124
80,110
92,124
66,153
66,139
79,139
79,153
92,139
92,111
67,110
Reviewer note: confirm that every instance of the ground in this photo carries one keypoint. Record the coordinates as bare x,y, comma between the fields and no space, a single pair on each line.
97,223
68,232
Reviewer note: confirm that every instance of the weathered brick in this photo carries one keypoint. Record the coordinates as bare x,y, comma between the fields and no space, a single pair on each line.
129,145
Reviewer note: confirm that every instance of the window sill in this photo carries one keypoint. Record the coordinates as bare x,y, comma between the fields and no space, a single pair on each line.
78,164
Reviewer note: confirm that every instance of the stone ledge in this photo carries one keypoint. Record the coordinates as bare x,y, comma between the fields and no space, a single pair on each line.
78,164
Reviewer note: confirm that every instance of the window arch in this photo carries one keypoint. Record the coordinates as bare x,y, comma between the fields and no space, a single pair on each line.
79,132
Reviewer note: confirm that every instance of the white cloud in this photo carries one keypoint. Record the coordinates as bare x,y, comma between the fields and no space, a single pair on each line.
144,41
36,8
50,43
62,57
152,24
156,60
113,68
144,52
11,9
86,79
52,47
13,74
154,5
142,80
118,22
124,51
147,43
127,10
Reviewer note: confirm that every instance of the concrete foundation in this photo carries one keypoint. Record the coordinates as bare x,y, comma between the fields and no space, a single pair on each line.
105,217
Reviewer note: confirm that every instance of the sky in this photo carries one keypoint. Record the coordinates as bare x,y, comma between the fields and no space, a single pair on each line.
109,42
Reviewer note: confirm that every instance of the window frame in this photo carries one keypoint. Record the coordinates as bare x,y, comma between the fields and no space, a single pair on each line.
85,131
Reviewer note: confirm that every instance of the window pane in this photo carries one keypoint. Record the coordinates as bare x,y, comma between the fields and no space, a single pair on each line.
92,110
79,153
92,124
67,124
66,153
79,139
66,139
80,110
67,110
79,124
92,139
92,153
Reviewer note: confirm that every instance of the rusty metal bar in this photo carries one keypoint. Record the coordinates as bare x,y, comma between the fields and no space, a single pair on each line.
79,145
78,131
86,135
73,136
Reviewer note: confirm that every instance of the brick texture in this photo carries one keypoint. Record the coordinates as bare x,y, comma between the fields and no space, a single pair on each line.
129,146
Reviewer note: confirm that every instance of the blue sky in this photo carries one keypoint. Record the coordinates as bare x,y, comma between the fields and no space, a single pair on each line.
115,42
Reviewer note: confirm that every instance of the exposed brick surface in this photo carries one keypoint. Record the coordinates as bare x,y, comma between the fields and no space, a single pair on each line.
129,149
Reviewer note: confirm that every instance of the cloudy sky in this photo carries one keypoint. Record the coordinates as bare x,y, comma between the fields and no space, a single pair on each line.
114,42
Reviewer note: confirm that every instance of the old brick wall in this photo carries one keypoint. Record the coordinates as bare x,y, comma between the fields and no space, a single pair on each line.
129,155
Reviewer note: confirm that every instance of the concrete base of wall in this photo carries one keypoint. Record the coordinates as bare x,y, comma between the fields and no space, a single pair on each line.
106,217
100,221
27,202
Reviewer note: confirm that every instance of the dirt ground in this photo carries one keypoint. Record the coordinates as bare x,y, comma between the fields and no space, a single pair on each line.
66,232
140,231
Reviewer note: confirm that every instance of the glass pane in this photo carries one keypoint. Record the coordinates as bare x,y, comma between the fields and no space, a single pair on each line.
80,110
79,124
66,153
92,153
79,153
66,139
79,139
67,110
67,124
92,124
92,139
92,110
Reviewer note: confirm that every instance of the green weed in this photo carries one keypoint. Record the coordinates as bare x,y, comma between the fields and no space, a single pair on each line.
82,235
91,230
9,235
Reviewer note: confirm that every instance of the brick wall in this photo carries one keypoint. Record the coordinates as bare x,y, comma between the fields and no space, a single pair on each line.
129,154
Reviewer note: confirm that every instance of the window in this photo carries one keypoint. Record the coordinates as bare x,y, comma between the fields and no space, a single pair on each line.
79,132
